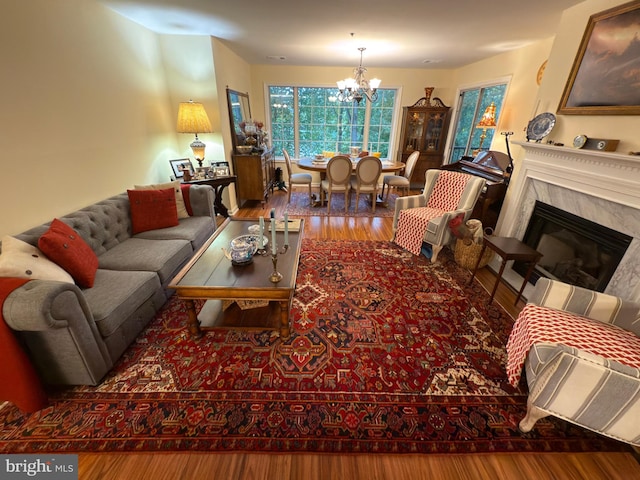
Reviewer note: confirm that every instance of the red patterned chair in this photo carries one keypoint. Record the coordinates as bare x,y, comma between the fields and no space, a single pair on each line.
425,217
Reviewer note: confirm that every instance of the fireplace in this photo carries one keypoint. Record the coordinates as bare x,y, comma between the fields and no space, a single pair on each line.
600,187
575,250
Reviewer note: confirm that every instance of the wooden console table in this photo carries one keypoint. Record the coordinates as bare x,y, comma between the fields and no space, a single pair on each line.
218,184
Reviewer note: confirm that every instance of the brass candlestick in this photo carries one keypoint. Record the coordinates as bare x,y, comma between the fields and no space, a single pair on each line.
276,276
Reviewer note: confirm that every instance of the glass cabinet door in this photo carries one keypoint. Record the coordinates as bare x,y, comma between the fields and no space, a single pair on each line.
433,140
415,132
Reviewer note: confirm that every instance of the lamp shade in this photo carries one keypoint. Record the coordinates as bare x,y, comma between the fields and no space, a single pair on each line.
192,118
488,119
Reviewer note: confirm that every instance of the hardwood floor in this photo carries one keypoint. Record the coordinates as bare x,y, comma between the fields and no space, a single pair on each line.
257,466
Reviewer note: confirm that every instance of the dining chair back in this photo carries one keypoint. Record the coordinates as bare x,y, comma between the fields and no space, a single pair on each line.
338,179
296,178
401,181
368,173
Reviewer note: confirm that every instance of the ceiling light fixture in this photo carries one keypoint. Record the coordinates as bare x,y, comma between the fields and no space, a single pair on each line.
354,89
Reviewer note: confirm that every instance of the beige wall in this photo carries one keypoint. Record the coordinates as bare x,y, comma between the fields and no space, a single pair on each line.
84,109
89,100
190,75
519,68
232,72
567,41
410,82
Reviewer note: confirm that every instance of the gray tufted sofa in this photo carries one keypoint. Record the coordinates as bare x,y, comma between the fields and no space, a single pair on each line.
74,335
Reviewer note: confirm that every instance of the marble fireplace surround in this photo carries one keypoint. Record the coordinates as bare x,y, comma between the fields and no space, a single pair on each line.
603,187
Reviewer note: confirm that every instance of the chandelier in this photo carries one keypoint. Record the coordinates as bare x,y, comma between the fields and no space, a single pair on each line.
354,89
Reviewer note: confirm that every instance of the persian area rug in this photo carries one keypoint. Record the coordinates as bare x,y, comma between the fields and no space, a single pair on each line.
300,207
389,354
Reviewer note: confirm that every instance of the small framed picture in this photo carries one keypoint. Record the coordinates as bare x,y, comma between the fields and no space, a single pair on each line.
203,172
221,171
180,165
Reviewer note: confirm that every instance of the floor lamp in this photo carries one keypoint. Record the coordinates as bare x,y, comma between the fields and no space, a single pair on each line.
488,120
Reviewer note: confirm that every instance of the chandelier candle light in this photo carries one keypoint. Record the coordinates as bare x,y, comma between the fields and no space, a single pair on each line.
354,89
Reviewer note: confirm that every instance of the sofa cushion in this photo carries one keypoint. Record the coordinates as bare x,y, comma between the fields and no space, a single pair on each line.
151,209
176,186
116,295
65,246
19,259
195,229
164,257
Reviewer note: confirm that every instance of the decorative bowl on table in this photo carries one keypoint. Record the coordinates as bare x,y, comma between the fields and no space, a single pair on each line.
242,248
244,149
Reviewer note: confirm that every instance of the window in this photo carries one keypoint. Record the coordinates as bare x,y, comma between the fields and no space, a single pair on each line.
471,105
310,120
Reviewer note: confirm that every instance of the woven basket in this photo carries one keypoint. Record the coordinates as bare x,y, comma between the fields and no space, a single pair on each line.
467,255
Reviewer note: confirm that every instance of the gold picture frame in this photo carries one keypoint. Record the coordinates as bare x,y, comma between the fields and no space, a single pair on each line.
603,78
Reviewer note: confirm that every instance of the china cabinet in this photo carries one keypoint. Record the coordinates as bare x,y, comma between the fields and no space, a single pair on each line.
424,128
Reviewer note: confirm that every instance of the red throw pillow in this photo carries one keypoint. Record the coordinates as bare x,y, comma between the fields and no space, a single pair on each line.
64,246
151,209
455,224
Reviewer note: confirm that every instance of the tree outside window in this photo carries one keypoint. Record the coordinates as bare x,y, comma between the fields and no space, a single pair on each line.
309,120
472,104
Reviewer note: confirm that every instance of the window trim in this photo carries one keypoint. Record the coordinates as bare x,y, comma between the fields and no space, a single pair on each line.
395,123
456,107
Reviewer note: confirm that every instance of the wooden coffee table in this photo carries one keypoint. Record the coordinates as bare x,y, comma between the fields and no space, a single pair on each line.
240,297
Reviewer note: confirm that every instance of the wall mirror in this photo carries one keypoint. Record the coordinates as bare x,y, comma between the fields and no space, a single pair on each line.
239,111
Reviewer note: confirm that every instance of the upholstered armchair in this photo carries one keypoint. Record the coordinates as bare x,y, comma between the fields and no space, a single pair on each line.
446,194
587,374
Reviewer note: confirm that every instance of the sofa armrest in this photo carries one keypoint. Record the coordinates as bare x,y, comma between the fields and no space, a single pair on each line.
402,203
57,328
588,303
201,198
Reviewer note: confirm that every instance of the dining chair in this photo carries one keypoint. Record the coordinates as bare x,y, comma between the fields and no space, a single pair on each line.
368,173
296,178
338,179
401,181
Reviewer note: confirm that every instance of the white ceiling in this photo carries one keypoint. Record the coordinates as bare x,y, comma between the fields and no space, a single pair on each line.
396,34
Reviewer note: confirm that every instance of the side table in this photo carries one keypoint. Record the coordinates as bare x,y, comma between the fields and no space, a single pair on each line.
509,248
218,184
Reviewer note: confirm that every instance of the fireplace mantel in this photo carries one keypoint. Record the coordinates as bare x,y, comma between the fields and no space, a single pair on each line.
603,187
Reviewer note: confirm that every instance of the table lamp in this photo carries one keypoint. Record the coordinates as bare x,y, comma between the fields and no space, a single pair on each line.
192,118
488,120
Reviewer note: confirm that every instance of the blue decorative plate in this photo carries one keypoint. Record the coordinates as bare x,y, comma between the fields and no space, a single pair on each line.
541,126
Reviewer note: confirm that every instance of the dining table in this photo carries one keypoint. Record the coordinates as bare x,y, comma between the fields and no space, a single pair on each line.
320,165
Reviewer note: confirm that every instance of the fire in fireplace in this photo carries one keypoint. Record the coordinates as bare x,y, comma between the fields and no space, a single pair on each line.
576,250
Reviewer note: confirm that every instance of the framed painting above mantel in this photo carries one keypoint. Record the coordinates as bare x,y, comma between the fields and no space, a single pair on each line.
606,72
